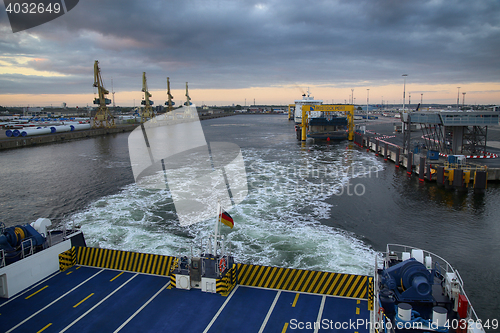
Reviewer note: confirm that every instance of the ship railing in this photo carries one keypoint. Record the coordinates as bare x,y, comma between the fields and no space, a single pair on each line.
2,258
59,237
26,248
377,316
68,232
465,166
378,321
438,263
49,238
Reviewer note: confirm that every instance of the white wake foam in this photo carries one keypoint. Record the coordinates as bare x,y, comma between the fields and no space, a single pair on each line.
278,224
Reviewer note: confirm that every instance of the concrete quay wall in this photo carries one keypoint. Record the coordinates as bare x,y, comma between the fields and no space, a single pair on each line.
20,142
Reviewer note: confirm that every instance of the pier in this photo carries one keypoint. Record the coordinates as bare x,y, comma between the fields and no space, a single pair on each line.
425,162
20,142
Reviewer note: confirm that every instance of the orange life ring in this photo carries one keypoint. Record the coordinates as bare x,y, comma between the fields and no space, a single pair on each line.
222,265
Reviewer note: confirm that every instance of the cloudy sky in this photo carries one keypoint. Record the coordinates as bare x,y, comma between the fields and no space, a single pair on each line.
267,50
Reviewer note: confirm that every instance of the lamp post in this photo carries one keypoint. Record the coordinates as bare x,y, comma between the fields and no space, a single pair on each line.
463,100
352,96
458,98
367,100
404,91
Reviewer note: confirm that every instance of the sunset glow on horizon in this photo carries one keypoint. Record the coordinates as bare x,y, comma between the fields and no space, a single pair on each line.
476,94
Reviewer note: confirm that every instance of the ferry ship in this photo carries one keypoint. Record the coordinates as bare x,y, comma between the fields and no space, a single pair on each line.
306,100
51,281
320,125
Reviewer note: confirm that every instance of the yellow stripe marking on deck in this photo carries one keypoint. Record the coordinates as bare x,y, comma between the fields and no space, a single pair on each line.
43,329
284,328
36,292
83,300
295,300
115,277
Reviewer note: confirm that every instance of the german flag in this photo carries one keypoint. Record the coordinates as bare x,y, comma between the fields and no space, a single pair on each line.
227,219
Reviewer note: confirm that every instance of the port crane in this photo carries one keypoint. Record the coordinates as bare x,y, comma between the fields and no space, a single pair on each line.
147,111
102,118
188,113
113,92
169,102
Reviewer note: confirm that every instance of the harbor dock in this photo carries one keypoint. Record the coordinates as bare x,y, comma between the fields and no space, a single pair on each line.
20,142
380,137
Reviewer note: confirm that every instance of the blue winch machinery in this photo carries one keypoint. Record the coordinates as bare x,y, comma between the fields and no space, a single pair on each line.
19,241
410,281
415,295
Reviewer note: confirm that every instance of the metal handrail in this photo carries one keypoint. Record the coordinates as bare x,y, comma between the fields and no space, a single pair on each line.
2,258
376,313
23,248
49,238
449,267
465,167
68,232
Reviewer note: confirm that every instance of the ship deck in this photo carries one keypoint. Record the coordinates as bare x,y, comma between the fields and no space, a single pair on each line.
88,299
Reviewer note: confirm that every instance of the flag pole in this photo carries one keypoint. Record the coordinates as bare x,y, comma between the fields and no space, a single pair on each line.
217,227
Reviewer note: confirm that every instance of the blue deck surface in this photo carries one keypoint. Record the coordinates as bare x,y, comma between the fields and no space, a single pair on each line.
86,299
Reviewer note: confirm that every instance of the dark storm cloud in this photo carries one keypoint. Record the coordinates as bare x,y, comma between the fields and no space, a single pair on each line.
238,44
16,83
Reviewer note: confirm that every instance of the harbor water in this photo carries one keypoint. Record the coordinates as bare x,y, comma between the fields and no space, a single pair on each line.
327,206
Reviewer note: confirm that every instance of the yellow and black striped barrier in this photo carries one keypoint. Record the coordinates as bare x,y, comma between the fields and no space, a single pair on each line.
174,265
125,260
227,282
316,282
67,259
334,284
370,293
173,282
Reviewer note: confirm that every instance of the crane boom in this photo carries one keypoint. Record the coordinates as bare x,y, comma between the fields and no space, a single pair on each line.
187,96
169,95
189,109
103,118
147,111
